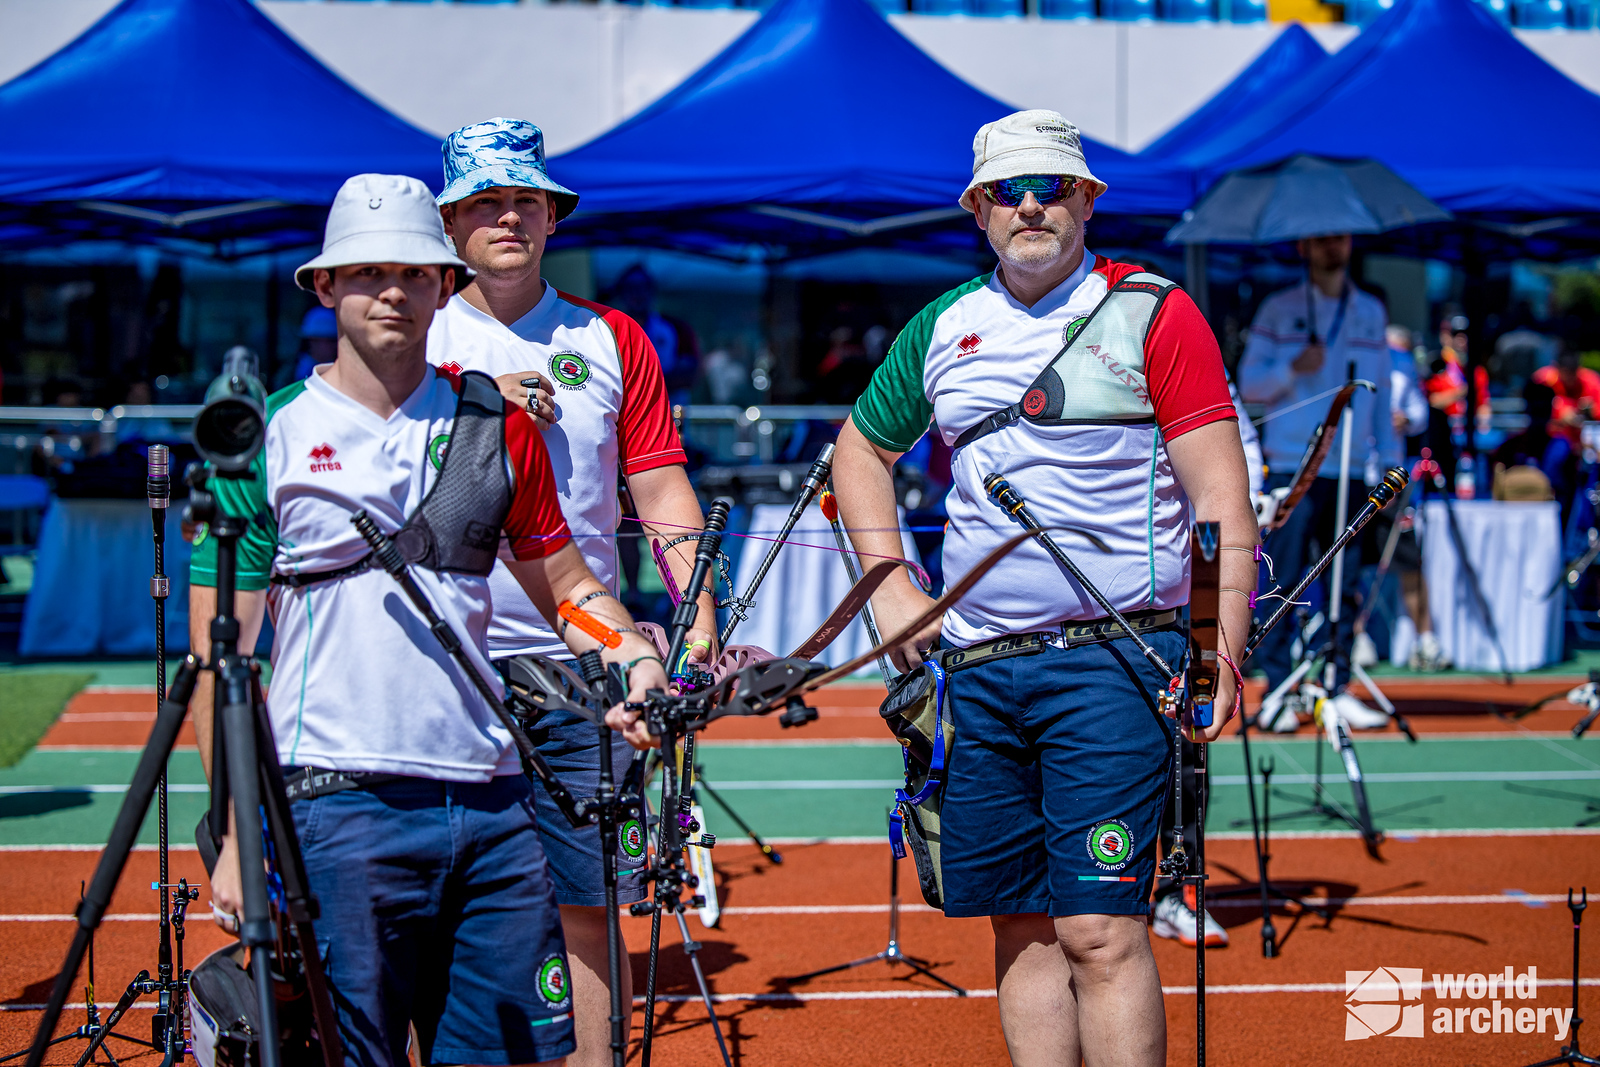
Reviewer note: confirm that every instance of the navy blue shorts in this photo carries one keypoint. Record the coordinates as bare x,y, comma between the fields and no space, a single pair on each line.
1057,782
571,746
437,909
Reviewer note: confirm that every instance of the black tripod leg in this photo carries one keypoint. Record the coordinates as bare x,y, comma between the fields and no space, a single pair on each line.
301,905
124,1002
766,850
135,805
691,948
1269,932
236,713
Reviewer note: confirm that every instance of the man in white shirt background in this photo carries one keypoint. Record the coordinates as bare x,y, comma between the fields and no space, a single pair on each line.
1302,345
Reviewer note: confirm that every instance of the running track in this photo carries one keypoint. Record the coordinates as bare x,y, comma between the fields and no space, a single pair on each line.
1440,900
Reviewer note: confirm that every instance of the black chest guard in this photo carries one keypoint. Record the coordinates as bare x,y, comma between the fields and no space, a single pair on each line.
457,527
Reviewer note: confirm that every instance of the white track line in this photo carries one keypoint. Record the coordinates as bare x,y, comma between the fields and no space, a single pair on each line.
173,787
920,994
1525,899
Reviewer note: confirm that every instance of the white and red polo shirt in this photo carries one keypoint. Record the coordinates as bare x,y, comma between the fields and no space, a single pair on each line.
976,350
359,683
612,415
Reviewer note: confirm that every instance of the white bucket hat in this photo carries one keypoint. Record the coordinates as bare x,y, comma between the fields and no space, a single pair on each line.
1026,142
383,218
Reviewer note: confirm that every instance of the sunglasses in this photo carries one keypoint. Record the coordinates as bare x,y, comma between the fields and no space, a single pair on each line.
1046,189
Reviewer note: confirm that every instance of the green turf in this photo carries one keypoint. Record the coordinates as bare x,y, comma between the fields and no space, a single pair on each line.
31,702
844,790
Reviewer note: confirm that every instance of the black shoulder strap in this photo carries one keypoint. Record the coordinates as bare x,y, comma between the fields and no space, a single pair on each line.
457,527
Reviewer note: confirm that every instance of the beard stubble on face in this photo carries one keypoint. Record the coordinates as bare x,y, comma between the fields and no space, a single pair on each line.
1032,243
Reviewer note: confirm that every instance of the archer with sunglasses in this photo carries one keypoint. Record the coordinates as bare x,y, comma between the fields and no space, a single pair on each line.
1097,390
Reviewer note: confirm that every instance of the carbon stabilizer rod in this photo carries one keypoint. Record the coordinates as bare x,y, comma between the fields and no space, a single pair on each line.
1011,500
815,479
533,764
1393,482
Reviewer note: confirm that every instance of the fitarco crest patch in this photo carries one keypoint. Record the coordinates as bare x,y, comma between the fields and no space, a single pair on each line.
554,989
570,370
630,839
1110,845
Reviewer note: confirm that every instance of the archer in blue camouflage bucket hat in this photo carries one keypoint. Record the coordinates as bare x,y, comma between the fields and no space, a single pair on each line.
500,152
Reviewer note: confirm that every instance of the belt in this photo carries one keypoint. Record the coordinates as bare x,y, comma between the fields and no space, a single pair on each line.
1066,635
308,783
300,581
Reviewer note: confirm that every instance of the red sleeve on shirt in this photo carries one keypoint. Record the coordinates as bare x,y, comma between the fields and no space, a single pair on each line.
646,438
1183,367
535,525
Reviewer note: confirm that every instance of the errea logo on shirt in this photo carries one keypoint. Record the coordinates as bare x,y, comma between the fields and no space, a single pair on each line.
322,459
451,368
968,345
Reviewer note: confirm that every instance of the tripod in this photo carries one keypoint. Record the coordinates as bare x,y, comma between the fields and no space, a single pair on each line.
245,770
1260,835
92,1030
1572,1053
891,954
676,805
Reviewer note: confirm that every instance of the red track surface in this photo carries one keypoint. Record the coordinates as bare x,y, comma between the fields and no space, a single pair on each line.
749,953
850,712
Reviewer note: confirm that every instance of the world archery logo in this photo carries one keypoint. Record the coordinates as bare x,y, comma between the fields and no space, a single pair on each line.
630,838
436,450
1070,330
1034,402
1375,1003
1111,845
569,369
553,981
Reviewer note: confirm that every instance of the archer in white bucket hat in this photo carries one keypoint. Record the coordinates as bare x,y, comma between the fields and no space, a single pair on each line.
1023,143
383,218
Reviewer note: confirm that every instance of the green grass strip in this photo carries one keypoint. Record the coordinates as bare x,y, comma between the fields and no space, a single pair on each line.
31,703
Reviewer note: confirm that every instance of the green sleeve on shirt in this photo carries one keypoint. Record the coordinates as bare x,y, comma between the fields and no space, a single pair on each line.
895,410
245,497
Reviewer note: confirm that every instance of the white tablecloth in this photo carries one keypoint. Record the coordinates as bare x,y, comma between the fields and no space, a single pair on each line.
805,583
91,582
1516,550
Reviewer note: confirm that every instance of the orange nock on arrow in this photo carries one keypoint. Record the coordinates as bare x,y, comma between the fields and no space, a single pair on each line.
589,624
830,505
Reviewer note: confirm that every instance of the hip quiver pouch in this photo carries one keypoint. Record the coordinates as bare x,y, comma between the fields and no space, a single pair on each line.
914,710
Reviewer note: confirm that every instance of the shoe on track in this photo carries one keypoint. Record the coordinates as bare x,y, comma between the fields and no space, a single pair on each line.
1277,715
1363,653
1431,654
1357,715
1173,918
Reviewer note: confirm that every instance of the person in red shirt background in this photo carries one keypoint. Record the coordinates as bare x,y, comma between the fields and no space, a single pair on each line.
1577,392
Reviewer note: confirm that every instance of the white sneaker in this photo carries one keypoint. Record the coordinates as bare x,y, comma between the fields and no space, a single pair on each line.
1357,715
1363,653
1277,714
1428,655
1173,918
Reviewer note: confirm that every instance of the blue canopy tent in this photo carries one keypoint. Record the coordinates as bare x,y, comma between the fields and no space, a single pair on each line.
820,128
1495,136
198,124
1283,62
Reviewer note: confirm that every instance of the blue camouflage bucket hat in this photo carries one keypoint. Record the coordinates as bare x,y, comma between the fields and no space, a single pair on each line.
500,152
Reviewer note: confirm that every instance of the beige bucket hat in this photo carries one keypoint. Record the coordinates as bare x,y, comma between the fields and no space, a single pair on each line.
1026,142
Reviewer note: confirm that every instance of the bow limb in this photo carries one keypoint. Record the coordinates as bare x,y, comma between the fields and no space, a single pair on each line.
848,608
936,609
1316,452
